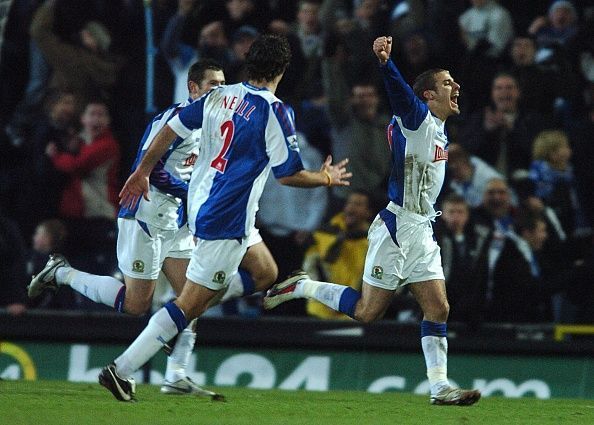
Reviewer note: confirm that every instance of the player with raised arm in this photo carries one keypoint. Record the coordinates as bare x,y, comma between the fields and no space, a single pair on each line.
152,237
402,250
246,132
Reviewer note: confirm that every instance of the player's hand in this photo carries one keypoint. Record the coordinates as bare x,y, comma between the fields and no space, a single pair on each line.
337,172
136,186
382,47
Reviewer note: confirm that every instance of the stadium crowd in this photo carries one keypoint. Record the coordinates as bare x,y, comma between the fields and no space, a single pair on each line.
517,205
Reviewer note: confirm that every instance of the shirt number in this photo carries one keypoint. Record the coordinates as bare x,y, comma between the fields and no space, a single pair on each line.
227,130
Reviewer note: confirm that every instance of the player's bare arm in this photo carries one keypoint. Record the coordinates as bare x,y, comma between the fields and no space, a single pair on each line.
329,175
137,184
382,47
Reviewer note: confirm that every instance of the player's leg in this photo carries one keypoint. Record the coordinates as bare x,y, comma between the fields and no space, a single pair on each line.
431,296
378,287
176,380
211,265
138,259
257,272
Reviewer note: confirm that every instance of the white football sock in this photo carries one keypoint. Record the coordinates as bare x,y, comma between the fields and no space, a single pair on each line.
177,362
325,292
435,349
101,289
160,329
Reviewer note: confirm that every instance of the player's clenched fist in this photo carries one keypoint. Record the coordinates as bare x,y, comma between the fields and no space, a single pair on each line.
382,47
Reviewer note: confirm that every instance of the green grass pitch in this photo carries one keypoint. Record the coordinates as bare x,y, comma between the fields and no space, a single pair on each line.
65,403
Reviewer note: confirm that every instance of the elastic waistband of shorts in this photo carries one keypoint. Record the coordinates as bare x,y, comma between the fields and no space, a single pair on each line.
417,218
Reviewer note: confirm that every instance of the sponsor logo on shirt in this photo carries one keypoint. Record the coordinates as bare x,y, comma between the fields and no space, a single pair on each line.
440,154
191,160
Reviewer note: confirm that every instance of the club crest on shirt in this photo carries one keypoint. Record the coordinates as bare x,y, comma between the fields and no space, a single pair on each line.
440,154
138,266
219,277
377,272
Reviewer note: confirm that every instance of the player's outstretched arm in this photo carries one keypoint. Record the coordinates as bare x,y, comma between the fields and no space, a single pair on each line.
137,184
329,175
402,98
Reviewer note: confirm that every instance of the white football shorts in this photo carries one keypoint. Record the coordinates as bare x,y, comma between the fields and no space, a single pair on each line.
402,250
142,248
214,263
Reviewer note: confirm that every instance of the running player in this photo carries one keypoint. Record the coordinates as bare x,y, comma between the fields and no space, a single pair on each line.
152,237
246,132
402,250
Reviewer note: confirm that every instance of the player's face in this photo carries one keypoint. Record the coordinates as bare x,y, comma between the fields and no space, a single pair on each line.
210,80
443,101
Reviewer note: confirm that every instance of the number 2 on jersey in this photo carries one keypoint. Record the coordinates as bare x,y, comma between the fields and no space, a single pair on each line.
227,130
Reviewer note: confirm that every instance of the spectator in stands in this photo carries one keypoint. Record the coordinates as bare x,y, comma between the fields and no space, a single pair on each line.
555,30
12,267
90,199
486,29
468,175
358,130
496,210
212,43
514,290
501,134
462,242
488,23
338,250
58,125
555,184
498,292
88,69
532,77
241,43
245,12
94,186
49,238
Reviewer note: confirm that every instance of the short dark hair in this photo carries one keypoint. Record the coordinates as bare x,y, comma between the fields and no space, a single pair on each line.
268,57
425,81
197,70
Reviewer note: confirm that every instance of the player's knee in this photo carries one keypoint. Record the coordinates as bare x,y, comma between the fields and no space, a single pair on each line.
439,312
137,308
367,315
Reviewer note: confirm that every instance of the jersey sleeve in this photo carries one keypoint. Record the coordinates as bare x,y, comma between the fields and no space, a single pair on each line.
405,104
281,141
189,119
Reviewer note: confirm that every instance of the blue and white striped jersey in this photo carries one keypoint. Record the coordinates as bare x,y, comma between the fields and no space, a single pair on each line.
419,145
246,132
169,178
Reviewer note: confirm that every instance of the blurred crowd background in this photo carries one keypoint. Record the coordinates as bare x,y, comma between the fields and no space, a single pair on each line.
517,206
